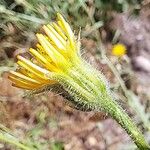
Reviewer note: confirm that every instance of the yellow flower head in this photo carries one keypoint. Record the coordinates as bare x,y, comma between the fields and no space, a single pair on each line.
119,50
55,53
56,64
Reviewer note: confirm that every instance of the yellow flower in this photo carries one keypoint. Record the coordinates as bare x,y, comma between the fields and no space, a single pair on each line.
57,64
119,50
55,52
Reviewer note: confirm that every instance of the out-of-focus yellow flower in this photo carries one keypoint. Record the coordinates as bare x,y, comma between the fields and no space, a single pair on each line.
55,52
119,50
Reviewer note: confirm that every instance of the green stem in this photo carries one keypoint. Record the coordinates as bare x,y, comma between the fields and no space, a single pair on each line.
133,101
117,113
3,138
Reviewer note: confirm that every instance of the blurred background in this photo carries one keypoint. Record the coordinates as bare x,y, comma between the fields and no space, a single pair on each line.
115,37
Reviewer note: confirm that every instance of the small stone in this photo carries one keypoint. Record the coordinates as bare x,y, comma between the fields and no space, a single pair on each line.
92,141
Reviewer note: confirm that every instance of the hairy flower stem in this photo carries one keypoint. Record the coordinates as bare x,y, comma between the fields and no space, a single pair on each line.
116,112
90,91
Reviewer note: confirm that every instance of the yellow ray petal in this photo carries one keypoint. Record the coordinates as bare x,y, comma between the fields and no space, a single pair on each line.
57,34
54,36
23,86
41,50
23,77
59,30
23,83
42,59
40,71
51,51
29,68
62,27
68,30
31,75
